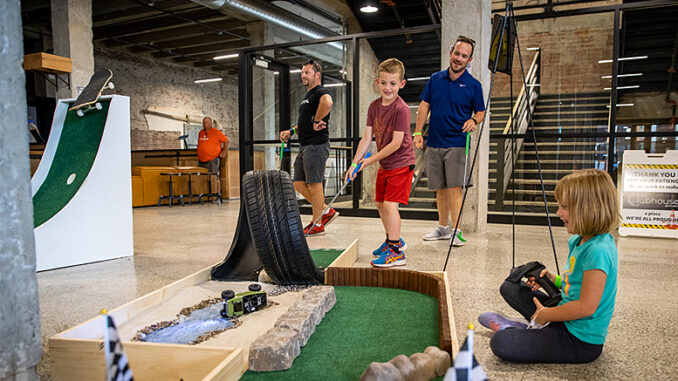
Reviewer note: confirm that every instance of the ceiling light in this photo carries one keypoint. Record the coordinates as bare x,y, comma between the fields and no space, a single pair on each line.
207,80
625,59
622,75
413,79
622,105
533,49
623,87
334,84
295,71
225,57
368,7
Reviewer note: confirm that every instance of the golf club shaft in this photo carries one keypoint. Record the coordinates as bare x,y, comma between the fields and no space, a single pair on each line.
341,190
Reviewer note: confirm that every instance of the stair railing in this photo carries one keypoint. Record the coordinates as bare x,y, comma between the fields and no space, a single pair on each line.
420,162
520,114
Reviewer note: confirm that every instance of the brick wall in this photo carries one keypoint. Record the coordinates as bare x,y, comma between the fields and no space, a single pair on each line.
571,47
157,85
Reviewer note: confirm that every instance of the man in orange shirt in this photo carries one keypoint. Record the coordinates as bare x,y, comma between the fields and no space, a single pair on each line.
212,145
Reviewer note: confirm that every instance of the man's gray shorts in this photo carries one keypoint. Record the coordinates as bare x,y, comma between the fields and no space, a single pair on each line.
212,165
445,167
310,163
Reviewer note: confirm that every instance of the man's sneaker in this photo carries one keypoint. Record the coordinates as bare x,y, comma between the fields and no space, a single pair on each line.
389,258
402,246
459,240
328,217
314,230
497,322
439,233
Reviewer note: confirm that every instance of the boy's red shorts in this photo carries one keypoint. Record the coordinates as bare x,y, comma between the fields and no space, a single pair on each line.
394,185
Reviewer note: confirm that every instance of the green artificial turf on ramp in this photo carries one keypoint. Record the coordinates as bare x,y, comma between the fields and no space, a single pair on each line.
73,159
366,324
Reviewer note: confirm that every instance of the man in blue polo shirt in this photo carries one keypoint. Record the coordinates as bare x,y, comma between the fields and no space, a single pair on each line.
455,100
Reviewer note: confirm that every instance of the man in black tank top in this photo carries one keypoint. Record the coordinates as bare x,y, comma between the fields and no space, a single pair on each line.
314,138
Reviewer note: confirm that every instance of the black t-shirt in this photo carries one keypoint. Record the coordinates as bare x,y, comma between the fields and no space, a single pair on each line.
307,109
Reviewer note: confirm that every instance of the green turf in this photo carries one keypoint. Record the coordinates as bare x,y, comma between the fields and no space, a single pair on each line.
324,257
75,153
367,324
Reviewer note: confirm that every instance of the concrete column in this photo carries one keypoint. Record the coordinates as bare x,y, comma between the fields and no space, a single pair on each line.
20,346
472,19
264,96
72,37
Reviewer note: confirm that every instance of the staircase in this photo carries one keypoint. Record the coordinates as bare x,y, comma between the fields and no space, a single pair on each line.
561,113
566,113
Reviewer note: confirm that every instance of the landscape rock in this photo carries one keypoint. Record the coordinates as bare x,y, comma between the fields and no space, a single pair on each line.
378,371
441,360
275,350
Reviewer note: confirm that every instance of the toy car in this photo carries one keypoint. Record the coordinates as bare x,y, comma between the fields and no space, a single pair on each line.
244,302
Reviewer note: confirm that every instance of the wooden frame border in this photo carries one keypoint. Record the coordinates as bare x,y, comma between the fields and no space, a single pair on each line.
433,284
77,353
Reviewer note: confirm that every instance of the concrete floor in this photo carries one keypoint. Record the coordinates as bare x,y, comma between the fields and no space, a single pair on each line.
171,243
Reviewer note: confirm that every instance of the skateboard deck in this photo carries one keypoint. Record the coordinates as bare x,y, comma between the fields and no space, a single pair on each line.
91,93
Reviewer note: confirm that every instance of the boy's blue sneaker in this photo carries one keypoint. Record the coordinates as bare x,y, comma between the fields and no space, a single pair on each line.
402,246
389,258
498,322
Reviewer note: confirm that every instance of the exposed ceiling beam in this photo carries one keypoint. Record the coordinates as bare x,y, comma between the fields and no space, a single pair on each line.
212,48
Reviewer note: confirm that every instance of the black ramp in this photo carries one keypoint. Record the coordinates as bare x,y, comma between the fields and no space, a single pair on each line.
241,262
273,231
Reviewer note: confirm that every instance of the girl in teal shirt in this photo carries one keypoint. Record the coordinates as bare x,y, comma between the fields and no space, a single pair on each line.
575,330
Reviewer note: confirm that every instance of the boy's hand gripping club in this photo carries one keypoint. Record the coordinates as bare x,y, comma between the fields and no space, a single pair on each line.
341,190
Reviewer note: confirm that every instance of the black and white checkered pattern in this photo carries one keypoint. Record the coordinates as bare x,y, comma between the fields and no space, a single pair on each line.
117,367
466,367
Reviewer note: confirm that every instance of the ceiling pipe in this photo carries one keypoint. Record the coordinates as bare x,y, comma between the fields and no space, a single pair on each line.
264,11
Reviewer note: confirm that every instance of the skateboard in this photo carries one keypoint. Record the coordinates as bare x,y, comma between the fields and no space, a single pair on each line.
88,99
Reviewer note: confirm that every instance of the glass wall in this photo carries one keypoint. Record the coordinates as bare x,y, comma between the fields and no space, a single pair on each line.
560,109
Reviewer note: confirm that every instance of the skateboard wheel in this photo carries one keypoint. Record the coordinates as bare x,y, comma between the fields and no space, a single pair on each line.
98,106
254,287
111,85
80,113
228,294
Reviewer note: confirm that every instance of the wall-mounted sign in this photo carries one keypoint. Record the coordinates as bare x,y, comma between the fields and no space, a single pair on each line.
649,194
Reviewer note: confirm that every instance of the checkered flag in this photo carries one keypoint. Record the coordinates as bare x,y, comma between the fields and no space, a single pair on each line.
117,367
466,367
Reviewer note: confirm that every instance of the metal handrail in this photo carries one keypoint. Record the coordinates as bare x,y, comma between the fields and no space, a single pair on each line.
419,163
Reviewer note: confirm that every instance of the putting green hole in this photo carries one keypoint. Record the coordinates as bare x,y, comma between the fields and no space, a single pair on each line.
70,179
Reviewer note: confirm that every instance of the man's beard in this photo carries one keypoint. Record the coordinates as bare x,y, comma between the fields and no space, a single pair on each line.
457,71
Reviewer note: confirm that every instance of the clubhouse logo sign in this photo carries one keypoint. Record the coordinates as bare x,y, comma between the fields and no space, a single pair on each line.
653,201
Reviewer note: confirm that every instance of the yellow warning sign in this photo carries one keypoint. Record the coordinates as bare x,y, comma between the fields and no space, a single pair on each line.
651,166
645,226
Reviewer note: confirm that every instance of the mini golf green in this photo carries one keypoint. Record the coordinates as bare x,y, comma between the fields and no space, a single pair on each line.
75,153
324,257
366,324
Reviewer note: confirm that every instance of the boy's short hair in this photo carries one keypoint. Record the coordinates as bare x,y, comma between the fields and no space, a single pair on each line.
392,66
591,199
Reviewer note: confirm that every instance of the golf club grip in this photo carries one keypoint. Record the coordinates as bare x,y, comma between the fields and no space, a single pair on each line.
358,167
468,141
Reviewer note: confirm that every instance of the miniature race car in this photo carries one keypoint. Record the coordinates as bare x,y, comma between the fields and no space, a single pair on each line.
244,302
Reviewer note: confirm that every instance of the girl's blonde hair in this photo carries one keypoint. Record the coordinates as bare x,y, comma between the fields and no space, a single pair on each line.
591,199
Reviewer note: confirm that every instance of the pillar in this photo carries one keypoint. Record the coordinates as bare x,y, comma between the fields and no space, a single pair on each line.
20,346
264,94
72,37
472,19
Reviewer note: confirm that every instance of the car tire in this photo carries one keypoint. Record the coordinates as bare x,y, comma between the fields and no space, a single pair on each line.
254,287
276,228
227,294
